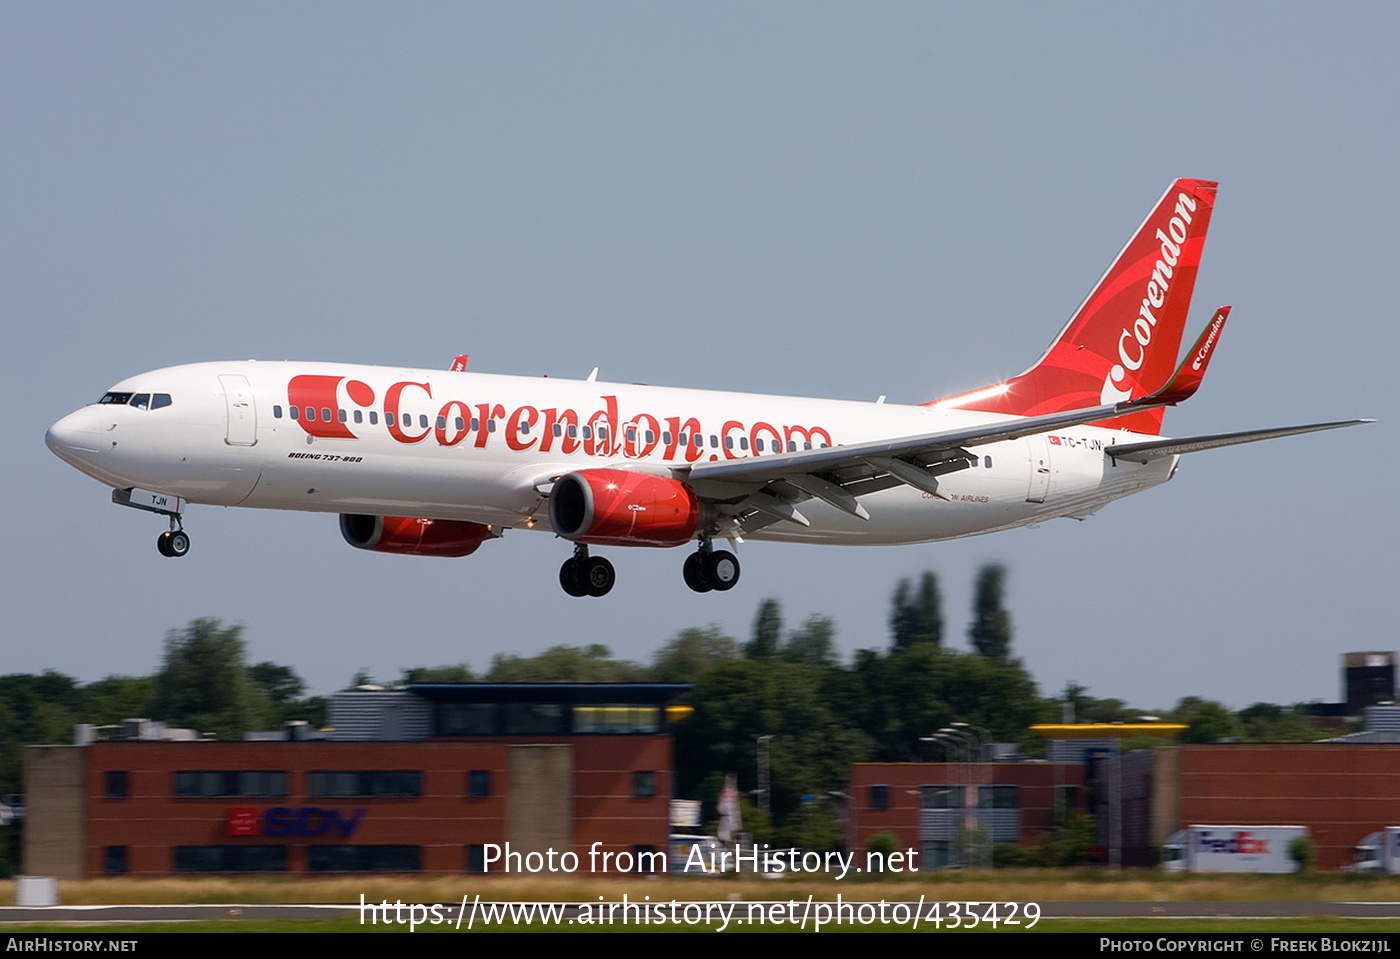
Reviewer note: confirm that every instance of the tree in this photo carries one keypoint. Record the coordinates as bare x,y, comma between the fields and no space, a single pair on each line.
204,684
692,654
917,615
767,631
565,664
1208,721
812,645
990,632
461,673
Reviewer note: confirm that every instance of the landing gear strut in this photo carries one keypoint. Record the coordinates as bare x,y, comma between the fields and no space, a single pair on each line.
707,569
584,575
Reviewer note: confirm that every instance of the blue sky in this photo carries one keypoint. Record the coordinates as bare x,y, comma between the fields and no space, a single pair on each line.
810,199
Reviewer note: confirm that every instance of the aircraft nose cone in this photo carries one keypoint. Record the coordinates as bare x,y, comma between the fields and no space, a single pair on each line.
74,438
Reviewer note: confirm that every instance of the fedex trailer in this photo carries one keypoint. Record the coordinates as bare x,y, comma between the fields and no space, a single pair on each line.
1262,849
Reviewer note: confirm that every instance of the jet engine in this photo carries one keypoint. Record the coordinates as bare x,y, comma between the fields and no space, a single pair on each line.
412,535
612,507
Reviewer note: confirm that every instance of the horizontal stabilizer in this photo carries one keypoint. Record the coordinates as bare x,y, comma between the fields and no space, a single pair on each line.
1157,449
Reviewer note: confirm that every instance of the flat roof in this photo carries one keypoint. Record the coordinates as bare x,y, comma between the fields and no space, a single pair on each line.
597,693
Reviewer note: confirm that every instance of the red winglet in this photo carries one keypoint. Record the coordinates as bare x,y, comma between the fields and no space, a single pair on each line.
459,362
1188,376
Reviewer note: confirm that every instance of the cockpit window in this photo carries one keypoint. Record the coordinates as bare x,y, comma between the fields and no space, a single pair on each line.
160,400
141,401
119,399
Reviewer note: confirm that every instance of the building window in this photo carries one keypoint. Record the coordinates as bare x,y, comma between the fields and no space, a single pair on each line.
943,797
476,858
364,858
644,784
365,782
998,797
230,858
208,783
114,860
115,784
616,720
534,719
479,783
879,797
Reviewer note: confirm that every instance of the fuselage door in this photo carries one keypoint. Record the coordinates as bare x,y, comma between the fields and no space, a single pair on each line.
242,414
1039,450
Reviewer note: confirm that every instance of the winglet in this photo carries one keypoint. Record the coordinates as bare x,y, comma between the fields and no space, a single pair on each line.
1188,376
459,363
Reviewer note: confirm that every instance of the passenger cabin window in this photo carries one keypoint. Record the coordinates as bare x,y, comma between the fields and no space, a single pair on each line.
276,411
294,411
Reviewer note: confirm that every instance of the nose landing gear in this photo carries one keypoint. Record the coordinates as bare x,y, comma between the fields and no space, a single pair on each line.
173,543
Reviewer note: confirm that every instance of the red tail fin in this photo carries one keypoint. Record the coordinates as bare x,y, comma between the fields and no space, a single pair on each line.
1123,341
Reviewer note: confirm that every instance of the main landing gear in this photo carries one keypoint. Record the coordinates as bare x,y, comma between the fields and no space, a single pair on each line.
584,575
707,569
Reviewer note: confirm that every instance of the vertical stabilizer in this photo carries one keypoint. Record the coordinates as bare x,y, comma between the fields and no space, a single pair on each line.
1123,341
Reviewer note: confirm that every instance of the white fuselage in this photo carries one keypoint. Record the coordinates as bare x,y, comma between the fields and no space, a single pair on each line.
480,447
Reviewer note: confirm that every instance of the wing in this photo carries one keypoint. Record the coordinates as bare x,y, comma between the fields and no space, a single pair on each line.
770,485
1157,449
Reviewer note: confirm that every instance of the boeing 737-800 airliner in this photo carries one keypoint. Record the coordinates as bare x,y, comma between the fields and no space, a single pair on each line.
437,462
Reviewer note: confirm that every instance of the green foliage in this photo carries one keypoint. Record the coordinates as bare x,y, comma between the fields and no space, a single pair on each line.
1303,852
916,616
1087,709
897,699
767,631
990,632
461,673
204,684
884,844
1267,723
692,654
812,748
565,664
812,645
1208,720
812,829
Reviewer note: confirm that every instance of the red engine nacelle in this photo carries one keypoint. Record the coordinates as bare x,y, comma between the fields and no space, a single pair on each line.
610,507
409,534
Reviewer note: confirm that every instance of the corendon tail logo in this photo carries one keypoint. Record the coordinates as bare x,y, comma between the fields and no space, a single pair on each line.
318,405
1204,352
1133,343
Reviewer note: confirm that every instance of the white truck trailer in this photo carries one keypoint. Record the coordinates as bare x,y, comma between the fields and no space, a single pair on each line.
1262,849
1378,852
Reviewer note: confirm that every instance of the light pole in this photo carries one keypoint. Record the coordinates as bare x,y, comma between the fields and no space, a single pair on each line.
763,772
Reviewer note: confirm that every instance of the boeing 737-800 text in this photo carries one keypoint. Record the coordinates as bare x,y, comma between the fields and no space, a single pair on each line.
437,462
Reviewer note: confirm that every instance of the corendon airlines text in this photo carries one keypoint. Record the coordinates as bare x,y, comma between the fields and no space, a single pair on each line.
316,405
